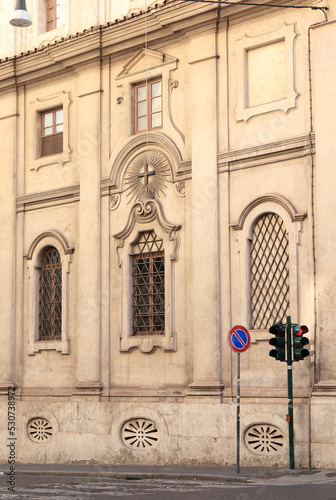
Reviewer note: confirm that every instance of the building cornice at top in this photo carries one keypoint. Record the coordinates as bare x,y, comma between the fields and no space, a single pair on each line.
99,41
168,20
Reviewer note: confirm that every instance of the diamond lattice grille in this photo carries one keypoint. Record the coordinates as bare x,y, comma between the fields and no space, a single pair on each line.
269,272
50,311
148,285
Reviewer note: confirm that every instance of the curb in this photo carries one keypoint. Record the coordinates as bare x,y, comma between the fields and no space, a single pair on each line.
138,475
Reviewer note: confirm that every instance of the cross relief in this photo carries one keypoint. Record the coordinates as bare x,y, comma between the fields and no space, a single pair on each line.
147,175
146,171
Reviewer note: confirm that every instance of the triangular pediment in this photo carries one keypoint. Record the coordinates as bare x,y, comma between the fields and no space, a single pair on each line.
145,60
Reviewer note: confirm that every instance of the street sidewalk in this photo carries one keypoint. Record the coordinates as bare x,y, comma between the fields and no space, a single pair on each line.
175,472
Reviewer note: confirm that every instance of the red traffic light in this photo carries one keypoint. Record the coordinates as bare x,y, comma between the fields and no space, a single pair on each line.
300,330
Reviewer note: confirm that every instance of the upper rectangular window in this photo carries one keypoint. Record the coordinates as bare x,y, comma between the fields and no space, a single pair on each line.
148,105
52,14
52,132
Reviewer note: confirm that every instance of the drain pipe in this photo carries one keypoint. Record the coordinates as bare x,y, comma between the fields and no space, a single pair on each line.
312,157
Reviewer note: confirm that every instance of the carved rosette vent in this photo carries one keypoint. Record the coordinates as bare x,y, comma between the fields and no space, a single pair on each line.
139,434
264,439
40,430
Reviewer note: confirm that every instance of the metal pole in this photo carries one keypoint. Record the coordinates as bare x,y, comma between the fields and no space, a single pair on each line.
290,416
238,413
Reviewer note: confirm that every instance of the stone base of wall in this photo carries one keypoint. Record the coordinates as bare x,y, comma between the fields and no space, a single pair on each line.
188,432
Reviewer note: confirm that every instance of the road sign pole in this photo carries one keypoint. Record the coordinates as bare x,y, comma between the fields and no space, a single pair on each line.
238,413
239,341
290,417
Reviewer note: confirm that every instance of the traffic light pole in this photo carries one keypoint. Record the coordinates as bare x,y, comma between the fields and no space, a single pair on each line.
289,336
290,416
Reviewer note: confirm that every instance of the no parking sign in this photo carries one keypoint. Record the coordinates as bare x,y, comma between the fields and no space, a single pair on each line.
239,339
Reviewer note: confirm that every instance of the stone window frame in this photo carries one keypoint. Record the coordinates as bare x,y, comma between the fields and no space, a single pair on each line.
131,76
287,34
144,217
36,108
53,239
242,234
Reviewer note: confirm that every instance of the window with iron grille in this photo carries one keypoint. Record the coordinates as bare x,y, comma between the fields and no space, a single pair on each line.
148,105
52,14
52,132
148,280
269,260
50,295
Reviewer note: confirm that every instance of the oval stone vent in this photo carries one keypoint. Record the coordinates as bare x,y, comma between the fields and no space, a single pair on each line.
39,430
264,439
139,434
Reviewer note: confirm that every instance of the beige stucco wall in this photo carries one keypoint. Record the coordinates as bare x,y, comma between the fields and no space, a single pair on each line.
228,162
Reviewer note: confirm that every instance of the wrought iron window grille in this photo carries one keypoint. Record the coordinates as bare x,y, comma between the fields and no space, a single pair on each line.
50,295
148,281
269,260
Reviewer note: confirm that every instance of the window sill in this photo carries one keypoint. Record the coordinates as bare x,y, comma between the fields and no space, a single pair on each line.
44,161
148,343
48,345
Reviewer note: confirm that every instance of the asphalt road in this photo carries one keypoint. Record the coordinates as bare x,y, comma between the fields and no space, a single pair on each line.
68,488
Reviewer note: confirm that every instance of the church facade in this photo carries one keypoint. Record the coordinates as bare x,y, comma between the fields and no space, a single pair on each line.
166,174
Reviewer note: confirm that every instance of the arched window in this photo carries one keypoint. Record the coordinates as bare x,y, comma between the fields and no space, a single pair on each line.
269,271
148,277
47,320
147,249
50,295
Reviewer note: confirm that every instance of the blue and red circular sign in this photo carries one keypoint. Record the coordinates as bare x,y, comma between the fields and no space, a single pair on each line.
239,338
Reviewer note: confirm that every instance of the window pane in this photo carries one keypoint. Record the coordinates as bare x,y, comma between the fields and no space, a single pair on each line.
157,120
142,93
59,128
142,108
47,131
156,89
156,104
142,123
59,116
47,119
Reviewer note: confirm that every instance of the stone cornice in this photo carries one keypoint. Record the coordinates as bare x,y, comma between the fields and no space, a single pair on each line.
47,198
170,20
266,153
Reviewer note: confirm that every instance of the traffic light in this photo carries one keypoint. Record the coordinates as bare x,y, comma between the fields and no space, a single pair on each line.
299,352
278,329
